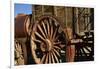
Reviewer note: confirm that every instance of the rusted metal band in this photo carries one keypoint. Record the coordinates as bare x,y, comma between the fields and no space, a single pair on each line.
22,22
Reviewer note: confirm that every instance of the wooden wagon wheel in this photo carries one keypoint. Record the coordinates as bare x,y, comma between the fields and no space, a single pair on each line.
48,40
85,50
20,53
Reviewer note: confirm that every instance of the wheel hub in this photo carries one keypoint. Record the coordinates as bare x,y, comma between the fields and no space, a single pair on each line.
47,46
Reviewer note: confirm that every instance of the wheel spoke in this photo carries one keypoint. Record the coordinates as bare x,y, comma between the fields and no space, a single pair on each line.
18,47
51,31
51,28
48,28
87,49
54,34
52,57
55,56
39,36
84,52
56,52
47,58
56,47
41,31
43,58
35,40
44,28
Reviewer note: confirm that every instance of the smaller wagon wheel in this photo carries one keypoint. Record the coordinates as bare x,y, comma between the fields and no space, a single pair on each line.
48,40
85,50
20,53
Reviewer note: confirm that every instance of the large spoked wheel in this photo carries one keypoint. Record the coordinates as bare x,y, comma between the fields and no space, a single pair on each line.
48,41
